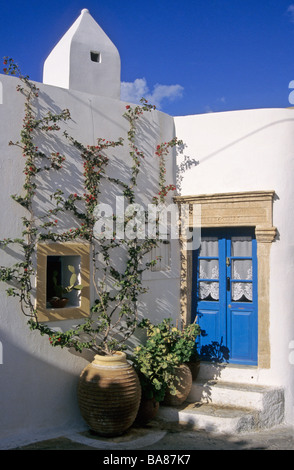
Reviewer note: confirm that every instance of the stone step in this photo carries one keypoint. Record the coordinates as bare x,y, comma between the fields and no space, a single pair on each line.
210,418
228,373
252,396
219,406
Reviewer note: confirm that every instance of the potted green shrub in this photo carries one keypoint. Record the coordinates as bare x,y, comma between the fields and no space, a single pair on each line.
183,346
161,359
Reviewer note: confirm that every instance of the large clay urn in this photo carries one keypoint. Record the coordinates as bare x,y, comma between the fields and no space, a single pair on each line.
148,410
109,394
183,386
194,367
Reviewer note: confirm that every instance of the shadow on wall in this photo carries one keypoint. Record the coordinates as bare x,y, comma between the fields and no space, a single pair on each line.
245,137
37,395
216,355
185,164
70,179
215,352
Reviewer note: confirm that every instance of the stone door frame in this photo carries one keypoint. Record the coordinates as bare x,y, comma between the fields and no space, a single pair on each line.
247,209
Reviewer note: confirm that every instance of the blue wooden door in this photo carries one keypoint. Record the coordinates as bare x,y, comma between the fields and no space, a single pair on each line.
225,295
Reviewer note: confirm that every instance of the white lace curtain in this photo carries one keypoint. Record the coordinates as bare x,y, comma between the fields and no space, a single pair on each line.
209,269
241,269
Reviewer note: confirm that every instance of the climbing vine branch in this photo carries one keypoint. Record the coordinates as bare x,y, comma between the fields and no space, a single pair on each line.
114,313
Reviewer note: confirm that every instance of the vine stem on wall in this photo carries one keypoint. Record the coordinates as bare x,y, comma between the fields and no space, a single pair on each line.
111,311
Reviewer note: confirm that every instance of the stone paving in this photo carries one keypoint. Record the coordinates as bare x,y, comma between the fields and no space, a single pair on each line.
168,437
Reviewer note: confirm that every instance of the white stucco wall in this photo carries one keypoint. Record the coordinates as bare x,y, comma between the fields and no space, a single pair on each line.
243,151
38,382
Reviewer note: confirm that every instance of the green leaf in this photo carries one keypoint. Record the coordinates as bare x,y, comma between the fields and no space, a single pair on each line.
73,279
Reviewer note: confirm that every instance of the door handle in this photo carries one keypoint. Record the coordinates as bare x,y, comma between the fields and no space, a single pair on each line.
228,284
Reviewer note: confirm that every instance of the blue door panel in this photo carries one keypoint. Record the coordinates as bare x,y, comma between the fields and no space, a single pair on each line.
242,347
210,325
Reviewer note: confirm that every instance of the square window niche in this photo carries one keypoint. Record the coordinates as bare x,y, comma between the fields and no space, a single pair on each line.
95,56
60,268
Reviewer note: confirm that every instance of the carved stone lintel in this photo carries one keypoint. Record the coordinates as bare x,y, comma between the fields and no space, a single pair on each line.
253,208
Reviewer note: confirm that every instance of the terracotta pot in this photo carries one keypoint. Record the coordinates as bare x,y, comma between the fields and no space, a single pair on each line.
183,387
194,368
58,303
148,409
109,394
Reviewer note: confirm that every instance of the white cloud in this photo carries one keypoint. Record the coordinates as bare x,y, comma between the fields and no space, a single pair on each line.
208,109
290,12
134,91
217,106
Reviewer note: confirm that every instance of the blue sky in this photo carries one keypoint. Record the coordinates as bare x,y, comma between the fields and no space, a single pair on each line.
186,56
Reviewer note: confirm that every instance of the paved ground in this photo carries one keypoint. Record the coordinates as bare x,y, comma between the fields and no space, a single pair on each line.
167,437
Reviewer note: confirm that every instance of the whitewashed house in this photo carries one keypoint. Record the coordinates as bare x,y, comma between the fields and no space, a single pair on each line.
236,169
